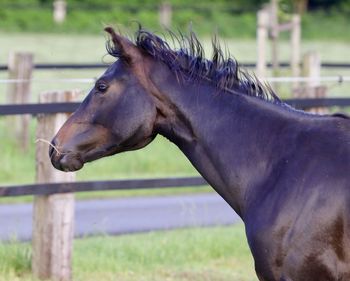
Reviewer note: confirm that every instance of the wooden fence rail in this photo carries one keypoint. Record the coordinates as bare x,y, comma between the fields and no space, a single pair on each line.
34,109
60,66
66,187
37,108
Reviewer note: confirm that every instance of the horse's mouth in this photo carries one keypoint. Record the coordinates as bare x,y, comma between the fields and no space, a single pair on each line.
95,154
70,161
67,162
74,161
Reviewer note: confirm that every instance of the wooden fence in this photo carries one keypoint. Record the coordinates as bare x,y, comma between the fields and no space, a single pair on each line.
66,187
268,27
50,108
86,66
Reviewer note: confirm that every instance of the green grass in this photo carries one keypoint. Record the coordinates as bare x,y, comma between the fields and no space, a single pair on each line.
206,19
15,261
212,254
325,25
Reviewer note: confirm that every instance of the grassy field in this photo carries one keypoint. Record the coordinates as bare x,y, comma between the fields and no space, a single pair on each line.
209,254
326,22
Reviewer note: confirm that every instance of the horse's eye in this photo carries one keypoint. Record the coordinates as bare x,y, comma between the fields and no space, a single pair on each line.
101,87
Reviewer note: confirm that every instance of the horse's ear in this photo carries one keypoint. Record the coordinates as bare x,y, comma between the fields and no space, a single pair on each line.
127,49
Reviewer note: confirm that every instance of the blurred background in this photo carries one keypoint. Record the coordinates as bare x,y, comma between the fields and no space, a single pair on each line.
59,33
301,47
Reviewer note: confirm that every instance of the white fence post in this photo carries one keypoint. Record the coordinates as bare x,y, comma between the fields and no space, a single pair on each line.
59,11
274,33
295,40
262,37
165,14
313,88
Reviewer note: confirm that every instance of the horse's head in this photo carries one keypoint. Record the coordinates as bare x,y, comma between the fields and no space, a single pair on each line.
119,113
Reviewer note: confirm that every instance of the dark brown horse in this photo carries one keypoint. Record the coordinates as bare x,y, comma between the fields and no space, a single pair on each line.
285,172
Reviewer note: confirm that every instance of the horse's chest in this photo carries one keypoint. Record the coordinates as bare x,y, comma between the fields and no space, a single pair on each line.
268,252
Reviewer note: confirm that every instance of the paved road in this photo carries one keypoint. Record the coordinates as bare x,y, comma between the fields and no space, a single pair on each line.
127,215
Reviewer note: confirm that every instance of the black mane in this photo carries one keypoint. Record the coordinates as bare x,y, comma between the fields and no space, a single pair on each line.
188,62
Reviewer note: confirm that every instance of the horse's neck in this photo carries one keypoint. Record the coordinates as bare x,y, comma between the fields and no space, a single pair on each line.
227,139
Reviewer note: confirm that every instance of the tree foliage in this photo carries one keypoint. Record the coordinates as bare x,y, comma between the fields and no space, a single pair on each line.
242,4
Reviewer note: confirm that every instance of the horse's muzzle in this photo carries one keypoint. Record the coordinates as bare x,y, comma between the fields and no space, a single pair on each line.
65,160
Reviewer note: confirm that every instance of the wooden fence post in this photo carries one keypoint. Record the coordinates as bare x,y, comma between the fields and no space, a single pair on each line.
312,70
313,88
268,25
53,215
165,14
20,66
59,11
295,40
262,36
274,33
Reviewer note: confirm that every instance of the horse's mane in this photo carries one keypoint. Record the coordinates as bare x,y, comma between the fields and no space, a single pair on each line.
188,62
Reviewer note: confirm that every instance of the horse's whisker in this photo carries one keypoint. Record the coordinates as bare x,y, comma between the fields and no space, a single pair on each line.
50,144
